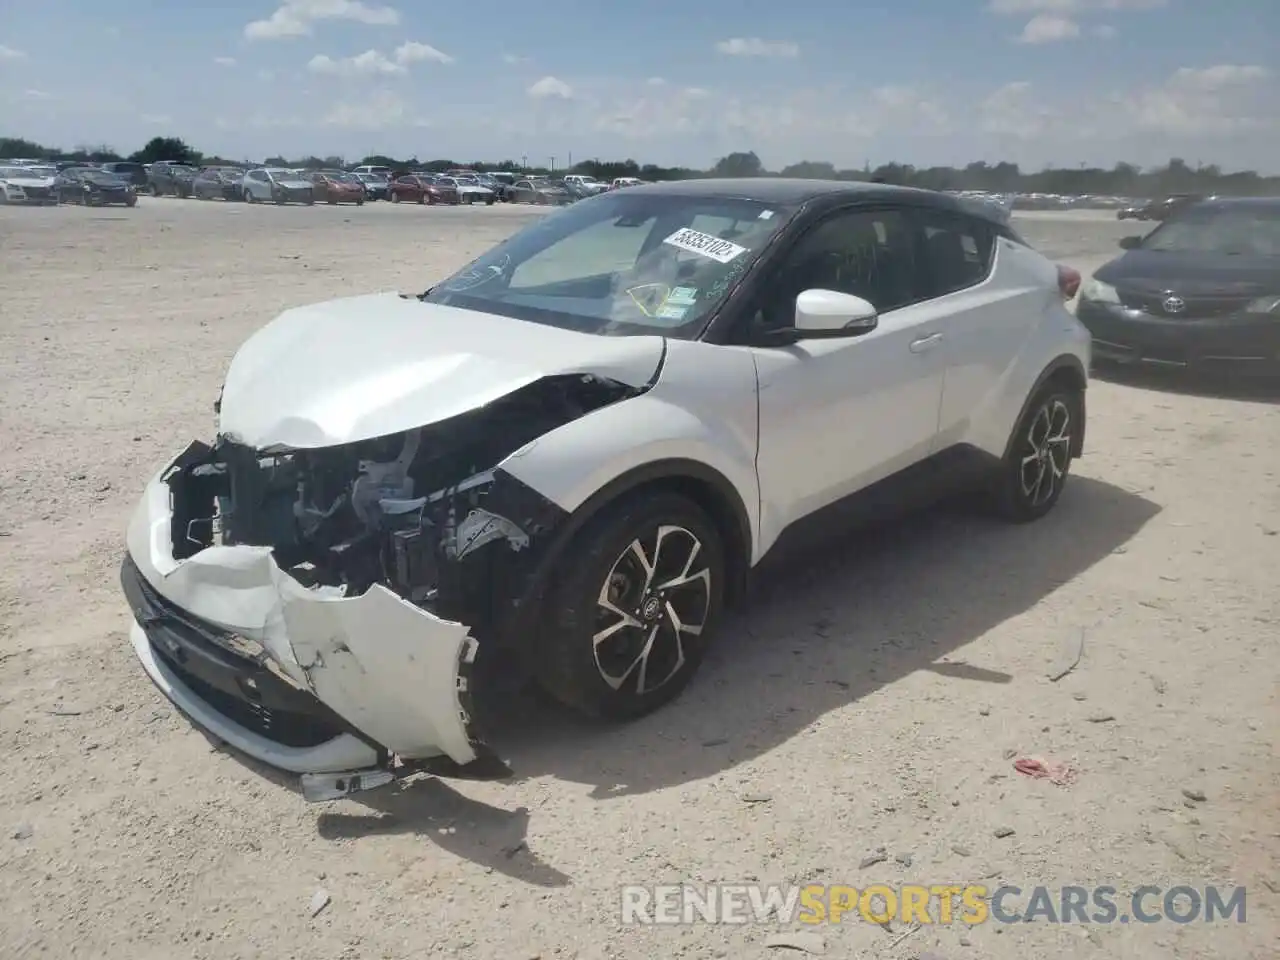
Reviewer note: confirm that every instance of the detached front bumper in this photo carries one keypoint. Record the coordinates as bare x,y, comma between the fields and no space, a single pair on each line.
349,691
1236,343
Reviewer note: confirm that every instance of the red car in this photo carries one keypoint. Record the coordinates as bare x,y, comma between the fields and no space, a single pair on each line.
421,188
337,186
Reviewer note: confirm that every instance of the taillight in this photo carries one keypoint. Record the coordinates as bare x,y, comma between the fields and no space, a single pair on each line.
1068,282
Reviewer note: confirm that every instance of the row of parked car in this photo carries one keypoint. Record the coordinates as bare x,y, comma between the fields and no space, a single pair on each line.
121,182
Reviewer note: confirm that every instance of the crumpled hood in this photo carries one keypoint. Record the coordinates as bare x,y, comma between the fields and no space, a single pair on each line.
370,366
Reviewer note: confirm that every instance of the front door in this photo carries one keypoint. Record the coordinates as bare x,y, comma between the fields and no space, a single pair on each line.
836,415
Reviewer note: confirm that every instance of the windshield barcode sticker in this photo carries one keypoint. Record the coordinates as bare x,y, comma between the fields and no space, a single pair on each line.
722,251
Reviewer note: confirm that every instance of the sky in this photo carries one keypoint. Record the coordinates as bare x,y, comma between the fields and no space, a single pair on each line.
1039,82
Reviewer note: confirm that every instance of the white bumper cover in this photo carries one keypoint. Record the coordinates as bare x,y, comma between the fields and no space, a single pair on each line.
390,669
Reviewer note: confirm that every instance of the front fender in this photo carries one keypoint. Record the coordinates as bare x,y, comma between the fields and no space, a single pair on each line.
570,464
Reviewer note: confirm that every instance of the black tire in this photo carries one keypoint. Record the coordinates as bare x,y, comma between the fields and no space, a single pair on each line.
601,566
395,198
1035,469
488,201
423,198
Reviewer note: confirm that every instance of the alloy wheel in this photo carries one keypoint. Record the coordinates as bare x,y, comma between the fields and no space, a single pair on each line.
1046,452
655,599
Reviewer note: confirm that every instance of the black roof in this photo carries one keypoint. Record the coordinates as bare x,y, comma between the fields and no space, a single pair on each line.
795,191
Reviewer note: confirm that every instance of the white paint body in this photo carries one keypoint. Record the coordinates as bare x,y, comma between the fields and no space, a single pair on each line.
792,429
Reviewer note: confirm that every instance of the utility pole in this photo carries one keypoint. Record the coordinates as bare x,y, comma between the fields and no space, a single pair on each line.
524,162
569,163
553,163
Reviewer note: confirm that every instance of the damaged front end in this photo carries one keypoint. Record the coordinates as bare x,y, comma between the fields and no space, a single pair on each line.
321,609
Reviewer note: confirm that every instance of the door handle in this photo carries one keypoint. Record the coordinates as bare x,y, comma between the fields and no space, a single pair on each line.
926,343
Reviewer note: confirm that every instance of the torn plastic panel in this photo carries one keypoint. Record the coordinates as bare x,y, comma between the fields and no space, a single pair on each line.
364,576
394,511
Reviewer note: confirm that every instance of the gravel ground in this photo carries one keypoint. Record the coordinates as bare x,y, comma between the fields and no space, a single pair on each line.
871,700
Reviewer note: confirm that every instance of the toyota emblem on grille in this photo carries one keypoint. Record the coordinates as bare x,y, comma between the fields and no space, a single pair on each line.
1174,304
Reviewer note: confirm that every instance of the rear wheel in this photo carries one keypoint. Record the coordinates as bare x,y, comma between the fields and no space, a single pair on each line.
1034,471
628,622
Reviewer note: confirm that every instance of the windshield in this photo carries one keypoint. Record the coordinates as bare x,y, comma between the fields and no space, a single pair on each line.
277,174
619,265
97,176
1228,231
7,173
181,171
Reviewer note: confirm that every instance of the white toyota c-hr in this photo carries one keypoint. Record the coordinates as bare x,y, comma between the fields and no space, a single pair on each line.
570,456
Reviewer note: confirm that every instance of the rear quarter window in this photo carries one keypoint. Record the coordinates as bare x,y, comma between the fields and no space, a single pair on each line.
958,249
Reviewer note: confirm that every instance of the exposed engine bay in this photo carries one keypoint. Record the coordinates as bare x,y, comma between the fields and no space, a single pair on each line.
407,511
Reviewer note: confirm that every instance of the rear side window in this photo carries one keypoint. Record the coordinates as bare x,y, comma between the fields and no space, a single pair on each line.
959,251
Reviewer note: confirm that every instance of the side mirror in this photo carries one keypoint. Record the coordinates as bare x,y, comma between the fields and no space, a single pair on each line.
1130,243
829,313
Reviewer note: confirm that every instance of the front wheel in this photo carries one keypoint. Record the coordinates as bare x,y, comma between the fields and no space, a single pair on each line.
1035,469
248,196
628,622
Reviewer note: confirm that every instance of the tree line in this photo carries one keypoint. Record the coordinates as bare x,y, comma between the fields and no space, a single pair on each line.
1123,179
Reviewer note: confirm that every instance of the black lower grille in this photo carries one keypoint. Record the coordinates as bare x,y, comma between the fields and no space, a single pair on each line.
238,687
281,726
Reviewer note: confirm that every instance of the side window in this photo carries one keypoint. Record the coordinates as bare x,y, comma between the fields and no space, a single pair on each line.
867,253
959,251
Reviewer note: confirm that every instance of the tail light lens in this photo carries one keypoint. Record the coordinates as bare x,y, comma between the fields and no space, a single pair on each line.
1068,282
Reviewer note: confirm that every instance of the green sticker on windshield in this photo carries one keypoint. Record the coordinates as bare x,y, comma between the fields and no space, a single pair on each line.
672,312
682,296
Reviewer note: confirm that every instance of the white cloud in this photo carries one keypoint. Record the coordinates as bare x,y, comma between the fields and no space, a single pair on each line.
1064,7
1191,109
373,63
414,52
8,53
755,47
513,60
655,82
156,119
36,95
1218,100
1105,32
1049,28
296,18
550,88
225,61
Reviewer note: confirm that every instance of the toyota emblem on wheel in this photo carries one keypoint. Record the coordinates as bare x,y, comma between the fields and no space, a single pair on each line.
1174,305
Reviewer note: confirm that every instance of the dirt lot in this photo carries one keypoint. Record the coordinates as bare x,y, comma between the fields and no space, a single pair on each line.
872,700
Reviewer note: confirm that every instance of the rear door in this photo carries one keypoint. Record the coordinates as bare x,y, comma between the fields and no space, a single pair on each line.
983,302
